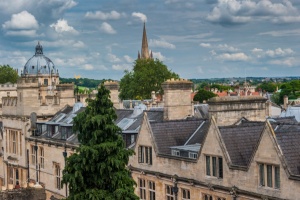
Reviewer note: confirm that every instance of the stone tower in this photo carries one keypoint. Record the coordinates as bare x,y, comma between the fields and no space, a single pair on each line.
145,50
113,87
177,99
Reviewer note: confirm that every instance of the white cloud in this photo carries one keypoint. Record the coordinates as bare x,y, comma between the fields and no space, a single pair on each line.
282,33
61,26
161,43
42,10
21,21
104,16
279,52
88,67
225,47
233,57
289,62
205,45
159,56
107,28
128,59
79,44
121,67
228,12
26,33
200,70
113,58
140,16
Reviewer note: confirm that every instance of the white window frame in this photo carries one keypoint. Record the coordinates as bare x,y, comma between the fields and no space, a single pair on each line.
193,155
175,152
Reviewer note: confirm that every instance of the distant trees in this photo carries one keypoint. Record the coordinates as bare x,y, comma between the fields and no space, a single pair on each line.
99,168
147,76
8,74
203,95
267,86
84,82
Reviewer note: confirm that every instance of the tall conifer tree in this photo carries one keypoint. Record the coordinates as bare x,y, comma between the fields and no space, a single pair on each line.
98,169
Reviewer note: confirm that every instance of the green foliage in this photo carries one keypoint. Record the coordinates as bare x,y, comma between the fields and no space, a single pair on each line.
267,86
98,169
84,82
203,95
147,76
8,74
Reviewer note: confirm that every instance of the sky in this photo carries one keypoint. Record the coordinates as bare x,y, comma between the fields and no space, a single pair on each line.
100,39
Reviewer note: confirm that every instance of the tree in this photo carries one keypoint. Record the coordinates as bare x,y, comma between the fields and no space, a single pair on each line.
8,74
98,169
203,95
147,76
267,86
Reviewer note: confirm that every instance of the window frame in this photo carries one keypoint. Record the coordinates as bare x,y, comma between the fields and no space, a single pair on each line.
269,175
145,154
142,189
185,194
214,166
169,192
57,174
151,185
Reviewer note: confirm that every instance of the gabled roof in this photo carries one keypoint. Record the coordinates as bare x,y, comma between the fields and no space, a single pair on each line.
288,138
174,133
241,141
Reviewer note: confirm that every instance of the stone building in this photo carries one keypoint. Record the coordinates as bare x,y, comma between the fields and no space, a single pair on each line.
214,159
145,50
38,95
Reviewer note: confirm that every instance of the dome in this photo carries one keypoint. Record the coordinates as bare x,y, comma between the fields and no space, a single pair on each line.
39,64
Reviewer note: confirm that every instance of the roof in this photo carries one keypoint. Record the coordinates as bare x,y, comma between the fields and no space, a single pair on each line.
174,133
288,138
241,140
192,147
292,111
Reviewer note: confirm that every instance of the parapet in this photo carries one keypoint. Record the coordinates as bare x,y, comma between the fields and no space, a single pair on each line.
111,85
227,99
177,84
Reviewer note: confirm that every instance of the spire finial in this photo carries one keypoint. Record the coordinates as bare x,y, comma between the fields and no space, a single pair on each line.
38,49
145,50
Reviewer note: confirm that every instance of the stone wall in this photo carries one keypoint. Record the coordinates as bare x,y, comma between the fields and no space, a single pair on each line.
228,110
23,194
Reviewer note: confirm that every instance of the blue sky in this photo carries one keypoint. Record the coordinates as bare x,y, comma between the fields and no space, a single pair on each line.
194,38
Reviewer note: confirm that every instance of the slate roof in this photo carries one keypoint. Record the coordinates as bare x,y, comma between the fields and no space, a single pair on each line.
241,141
288,138
174,133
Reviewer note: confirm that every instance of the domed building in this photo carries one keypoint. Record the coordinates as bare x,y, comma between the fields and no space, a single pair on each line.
38,95
41,67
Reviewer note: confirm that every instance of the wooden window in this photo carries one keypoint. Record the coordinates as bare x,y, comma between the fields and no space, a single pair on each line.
151,190
57,176
14,142
269,175
207,197
41,155
175,152
32,152
214,166
186,194
145,155
169,193
193,155
142,186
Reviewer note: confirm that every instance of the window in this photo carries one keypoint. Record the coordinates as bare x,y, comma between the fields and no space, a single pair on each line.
169,193
185,194
132,139
32,152
14,142
46,82
41,154
142,187
57,176
152,190
207,197
214,166
269,175
220,198
145,155
175,152
193,155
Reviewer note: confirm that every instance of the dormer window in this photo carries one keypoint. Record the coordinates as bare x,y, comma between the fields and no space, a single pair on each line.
175,152
193,155
214,166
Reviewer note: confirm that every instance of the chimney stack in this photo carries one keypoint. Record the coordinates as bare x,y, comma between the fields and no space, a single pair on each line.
113,87
177,99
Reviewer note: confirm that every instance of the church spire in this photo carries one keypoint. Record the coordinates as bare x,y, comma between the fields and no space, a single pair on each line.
145,50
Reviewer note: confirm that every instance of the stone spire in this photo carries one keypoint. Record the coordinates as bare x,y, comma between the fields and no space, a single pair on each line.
145,50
